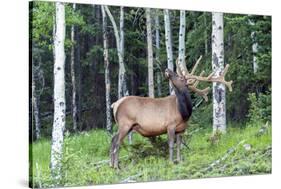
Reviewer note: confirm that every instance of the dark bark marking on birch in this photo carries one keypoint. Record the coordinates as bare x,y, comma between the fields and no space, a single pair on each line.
218,94
216,60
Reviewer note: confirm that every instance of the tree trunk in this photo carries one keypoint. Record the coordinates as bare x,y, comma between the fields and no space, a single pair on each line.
206,34
149,54
255,51
122,88
181,56
59,94
254,48
106,73
73,77
78,79
35,105
157,45
219,118
168,42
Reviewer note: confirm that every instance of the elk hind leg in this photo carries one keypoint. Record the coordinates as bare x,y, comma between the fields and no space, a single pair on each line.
116,141
113,149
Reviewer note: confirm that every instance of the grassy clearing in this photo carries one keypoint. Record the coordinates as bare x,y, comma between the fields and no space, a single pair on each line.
238,152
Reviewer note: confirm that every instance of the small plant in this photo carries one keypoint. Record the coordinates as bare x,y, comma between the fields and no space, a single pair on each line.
215,137
260,107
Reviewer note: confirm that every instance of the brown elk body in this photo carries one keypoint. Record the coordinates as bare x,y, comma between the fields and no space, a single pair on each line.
153,116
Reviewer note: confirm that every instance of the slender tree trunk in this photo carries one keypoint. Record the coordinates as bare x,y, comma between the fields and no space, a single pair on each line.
254,48
106,73
122,88
59,94
168,42
157,45
219,118
181,52
73,77
255,51
206,34
149,54
78,79
35,106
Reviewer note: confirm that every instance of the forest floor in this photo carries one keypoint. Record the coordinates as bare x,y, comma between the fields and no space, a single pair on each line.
241,151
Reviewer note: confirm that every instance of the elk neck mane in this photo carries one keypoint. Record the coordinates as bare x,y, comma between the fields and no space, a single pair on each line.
184,103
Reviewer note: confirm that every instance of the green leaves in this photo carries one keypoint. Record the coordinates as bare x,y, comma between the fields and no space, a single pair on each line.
260,107
42,22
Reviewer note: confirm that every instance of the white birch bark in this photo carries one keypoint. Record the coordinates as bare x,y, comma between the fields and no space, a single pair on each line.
123,74
219,116
73,77
35,106
59,94
168,42
181,55
255,51
106,73
254,48
157,45
119,43
149,54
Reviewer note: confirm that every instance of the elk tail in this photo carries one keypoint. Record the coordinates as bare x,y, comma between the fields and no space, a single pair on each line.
115,106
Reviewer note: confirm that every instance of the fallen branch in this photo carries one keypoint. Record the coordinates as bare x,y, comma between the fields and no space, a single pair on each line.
218,161
130,178
103,162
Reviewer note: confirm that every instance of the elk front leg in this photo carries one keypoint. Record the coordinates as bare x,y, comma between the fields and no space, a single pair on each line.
171,136
178,136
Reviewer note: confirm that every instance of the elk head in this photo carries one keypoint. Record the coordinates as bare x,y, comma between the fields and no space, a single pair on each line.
179,82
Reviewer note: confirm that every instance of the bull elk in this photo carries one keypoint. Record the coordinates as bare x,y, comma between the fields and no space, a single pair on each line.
156,116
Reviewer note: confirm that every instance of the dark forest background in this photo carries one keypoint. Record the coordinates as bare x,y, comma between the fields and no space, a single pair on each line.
249,101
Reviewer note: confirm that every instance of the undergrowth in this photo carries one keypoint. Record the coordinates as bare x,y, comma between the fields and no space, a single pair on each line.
241,151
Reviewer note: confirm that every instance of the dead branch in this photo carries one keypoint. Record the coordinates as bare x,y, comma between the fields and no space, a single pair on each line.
130,178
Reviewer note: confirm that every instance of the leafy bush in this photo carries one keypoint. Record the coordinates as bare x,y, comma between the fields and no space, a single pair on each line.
260,107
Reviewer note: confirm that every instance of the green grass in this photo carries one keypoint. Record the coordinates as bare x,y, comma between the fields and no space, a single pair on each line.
150,163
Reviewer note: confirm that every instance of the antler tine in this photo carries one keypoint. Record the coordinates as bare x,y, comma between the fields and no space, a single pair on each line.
195,65
201,92
192,81
182,68
222,79
196,82
177,69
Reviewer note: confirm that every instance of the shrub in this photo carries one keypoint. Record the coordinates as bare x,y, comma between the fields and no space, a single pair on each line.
260,107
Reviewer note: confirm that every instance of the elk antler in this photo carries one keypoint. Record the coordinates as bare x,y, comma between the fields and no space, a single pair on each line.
210,78
193,80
